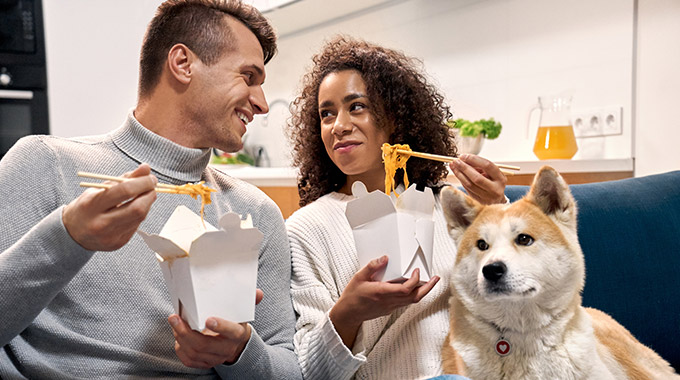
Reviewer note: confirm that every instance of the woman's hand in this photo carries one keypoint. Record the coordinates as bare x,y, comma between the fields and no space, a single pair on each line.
364,298
481,178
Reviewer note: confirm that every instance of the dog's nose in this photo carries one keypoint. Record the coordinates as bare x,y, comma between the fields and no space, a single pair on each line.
494,271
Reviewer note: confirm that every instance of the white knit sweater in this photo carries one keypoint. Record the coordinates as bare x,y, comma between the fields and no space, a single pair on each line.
404,345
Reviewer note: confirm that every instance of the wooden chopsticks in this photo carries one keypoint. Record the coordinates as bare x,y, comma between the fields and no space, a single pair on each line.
160,188
437,157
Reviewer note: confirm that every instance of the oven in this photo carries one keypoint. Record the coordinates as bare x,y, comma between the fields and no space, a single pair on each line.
22,112
23,72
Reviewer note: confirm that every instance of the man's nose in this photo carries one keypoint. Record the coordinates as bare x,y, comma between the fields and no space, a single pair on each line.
258,100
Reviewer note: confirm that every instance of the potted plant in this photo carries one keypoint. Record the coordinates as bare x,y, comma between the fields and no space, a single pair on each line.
471,134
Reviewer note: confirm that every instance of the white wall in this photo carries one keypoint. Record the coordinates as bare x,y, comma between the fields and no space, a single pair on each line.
92,61
657,137
491,58
494,58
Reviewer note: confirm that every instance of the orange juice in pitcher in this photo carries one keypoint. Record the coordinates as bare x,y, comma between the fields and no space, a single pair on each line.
555,137
555,142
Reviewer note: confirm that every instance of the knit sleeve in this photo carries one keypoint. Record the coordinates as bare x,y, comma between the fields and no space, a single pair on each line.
37,255
320,350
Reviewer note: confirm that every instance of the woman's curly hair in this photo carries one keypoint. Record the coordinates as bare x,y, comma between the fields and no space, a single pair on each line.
401,97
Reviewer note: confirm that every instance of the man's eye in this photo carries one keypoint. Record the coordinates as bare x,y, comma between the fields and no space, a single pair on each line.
482,245
524,239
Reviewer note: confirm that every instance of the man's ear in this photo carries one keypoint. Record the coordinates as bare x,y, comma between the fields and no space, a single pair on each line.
459,211
180,60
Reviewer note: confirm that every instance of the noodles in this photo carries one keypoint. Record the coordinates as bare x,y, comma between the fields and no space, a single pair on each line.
196,190
393,161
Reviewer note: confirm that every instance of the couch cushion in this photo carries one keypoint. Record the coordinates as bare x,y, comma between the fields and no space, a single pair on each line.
629,231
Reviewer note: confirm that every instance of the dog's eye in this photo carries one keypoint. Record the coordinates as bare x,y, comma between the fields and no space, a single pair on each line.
524,239
482,245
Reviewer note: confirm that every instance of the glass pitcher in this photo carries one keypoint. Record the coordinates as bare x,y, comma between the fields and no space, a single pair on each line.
555,137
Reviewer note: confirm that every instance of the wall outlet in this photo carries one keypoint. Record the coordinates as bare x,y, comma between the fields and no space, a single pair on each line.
598,122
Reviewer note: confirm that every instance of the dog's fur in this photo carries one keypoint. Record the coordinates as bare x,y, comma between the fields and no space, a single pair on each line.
532,299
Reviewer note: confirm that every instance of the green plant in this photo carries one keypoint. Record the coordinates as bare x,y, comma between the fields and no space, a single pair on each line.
490,128
233,159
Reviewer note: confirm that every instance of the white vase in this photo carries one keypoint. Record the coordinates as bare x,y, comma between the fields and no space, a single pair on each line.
471,145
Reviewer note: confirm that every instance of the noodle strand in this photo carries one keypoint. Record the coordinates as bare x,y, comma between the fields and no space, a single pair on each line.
394,160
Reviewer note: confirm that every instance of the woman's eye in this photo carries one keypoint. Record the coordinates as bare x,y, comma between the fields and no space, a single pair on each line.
524,239
324,114
482,245
356,106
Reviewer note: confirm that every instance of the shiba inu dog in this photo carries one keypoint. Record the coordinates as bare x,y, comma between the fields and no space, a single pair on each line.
516,295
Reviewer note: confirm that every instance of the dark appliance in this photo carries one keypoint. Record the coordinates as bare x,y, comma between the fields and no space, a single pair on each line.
23,72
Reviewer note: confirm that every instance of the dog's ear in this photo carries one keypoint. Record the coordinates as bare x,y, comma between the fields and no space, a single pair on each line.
459,210
551,194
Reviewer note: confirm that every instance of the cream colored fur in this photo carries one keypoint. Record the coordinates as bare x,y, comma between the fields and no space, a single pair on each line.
533,298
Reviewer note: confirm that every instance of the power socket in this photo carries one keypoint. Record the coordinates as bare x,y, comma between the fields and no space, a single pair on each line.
598,122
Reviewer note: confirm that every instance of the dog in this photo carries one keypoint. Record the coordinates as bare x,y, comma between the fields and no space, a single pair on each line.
516,287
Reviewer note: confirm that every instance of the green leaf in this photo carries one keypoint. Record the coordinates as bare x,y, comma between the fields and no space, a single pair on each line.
490,128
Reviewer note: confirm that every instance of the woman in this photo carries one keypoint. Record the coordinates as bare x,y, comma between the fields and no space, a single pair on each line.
356,97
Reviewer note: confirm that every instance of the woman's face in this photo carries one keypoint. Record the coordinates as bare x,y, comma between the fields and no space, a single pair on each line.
349,130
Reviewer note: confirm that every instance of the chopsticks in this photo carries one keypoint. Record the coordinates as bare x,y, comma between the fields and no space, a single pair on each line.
437,157
160,188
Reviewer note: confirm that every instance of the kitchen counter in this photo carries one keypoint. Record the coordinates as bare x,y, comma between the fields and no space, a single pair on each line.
280,184
573,171
262,177
287,176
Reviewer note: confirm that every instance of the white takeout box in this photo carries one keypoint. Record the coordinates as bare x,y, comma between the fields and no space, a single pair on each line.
401,228
209,272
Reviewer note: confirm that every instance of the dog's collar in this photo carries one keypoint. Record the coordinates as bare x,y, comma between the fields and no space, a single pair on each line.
502,345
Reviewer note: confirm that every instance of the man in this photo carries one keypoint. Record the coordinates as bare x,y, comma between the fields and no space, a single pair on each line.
68,309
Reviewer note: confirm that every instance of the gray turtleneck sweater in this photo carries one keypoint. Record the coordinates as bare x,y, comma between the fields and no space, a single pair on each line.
70,313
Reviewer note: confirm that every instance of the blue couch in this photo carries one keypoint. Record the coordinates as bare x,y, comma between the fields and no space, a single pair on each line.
630,234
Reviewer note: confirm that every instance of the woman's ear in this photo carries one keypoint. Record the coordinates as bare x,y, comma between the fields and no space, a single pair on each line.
180,60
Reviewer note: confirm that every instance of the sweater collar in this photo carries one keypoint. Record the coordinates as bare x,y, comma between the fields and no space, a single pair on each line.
164,156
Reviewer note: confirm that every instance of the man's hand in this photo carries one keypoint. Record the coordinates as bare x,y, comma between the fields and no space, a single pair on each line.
106,219
221,342
481,179
364,298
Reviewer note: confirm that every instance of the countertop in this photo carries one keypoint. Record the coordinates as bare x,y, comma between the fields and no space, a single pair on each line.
287,176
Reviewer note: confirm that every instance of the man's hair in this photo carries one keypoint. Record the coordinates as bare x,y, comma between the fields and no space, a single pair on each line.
402,101
201,26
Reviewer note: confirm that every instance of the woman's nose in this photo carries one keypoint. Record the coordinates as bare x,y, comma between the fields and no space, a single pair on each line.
342,125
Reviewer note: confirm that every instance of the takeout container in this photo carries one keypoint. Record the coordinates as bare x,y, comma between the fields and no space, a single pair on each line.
209,272
401,228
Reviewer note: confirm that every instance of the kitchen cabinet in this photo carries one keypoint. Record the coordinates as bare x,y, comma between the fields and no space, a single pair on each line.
280,184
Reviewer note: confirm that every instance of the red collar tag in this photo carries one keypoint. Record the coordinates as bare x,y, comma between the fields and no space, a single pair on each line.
502,347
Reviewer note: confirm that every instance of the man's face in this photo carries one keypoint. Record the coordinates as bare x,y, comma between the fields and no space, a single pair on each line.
227,94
